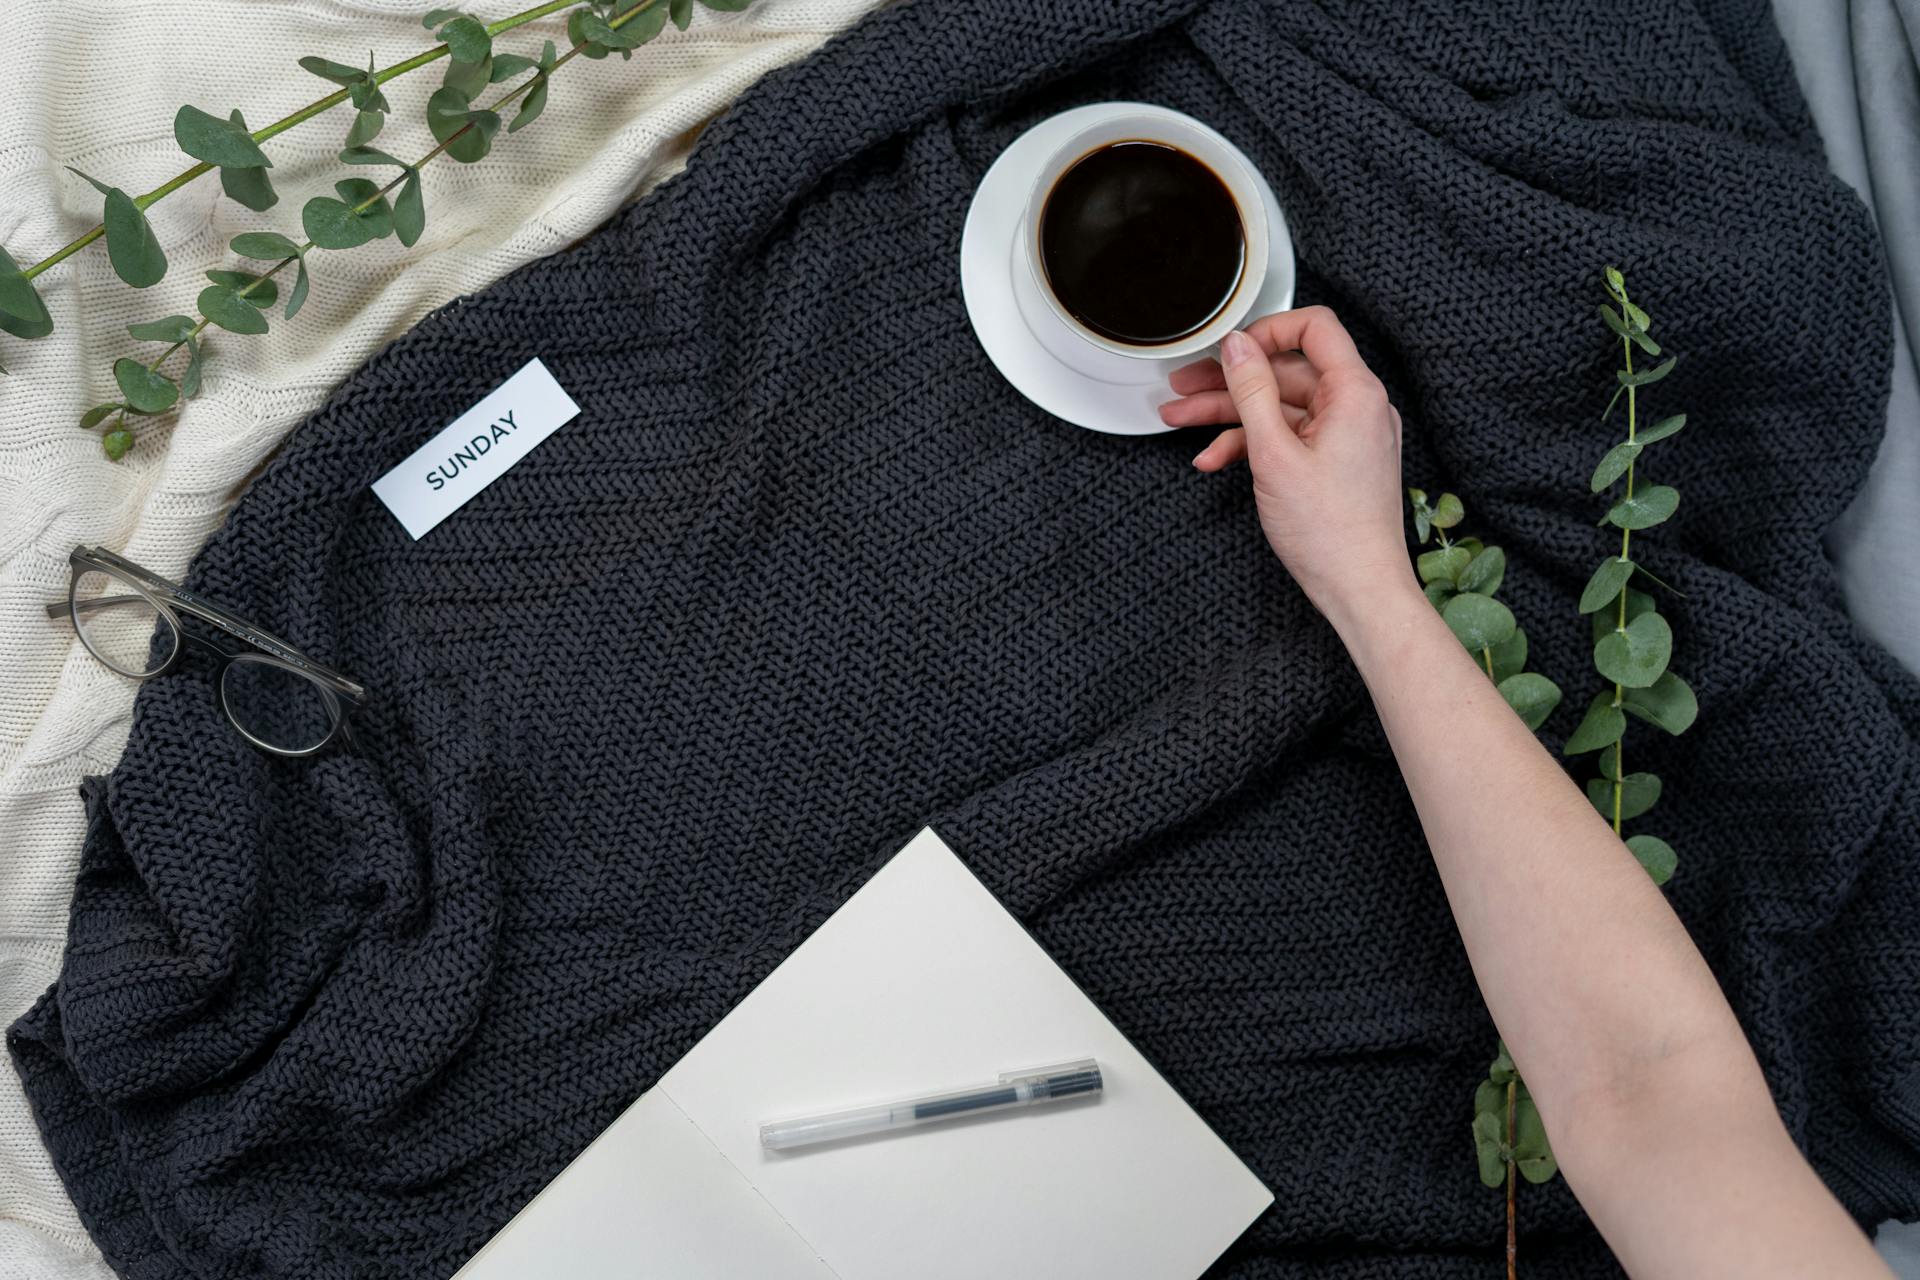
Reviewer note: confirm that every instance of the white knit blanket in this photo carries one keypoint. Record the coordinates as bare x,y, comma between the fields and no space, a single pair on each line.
95,84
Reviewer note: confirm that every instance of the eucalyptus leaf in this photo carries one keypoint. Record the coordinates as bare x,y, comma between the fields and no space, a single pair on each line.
190,378
449,112
1489,1098
578,37
1614,464
1487,1147
1606,620
640,28
470,78
1663,428
681,11
530,106
1484,573
1616,283
437,16
372,155
1644,377
22,313
1645,509
1532,697
1610,763
258,290
339,73
594,28
171,329
98,414
224,306
1668,702
331,224
1604,587
1438,593
116,443
145,389
1636,318
1443,565
1608,411
250,188
1656,855
1510,655
365,128
1639,792
1448,512
1602,726
409,210
1502,1069
1635,657
132,247
1614,322
508,65
1479,621
1531,1154
364,198
1422,524
467,40
217,142
265,246
297,296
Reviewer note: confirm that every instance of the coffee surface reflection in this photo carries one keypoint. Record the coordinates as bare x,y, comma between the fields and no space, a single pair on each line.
1141,242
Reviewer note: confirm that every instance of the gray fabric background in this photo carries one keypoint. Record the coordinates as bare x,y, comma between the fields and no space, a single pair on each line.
1855,62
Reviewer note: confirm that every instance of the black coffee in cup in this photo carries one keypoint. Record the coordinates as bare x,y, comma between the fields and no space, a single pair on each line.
1141,242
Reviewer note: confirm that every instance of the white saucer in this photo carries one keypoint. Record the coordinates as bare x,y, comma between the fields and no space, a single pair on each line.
1071,379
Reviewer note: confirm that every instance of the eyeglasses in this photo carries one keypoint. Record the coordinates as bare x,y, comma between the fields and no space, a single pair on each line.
129,618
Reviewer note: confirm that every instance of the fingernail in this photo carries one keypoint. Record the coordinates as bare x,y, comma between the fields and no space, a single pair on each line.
1236,348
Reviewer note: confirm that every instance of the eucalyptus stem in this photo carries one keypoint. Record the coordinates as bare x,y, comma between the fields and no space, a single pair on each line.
505,100
1626,541
308,112
1513,1172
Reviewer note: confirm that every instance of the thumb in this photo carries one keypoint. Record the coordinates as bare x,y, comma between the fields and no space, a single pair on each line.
1271,442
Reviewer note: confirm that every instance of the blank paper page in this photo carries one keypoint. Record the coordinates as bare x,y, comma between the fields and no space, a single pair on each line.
920,983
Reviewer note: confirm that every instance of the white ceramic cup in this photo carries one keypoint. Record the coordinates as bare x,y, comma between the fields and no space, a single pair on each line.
1171,128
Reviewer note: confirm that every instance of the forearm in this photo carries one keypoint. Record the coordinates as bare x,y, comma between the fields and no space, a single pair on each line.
1651,1096
1566,933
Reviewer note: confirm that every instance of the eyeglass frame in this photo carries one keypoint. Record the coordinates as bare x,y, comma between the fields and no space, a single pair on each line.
341,693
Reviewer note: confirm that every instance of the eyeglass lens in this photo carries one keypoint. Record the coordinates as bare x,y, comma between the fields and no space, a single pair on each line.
120,626
277,707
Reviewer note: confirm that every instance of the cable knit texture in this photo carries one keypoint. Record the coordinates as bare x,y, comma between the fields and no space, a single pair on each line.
805,574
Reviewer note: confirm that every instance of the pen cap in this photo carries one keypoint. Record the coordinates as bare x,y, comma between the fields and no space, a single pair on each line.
1061,1080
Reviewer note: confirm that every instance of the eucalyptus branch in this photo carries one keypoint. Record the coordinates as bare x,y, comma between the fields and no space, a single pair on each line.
280,126
1632,646
236,301
1632,643
1460,579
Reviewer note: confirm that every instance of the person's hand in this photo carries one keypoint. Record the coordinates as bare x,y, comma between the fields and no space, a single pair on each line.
1324,446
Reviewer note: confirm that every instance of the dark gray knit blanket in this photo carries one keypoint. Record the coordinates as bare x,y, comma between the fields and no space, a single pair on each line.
806,574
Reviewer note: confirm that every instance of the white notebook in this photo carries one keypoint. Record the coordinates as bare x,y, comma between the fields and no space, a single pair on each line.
921,982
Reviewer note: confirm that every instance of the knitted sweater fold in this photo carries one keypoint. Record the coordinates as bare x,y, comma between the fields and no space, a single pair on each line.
806,574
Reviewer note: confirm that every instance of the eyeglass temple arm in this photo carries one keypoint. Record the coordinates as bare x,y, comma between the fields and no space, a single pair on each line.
353,693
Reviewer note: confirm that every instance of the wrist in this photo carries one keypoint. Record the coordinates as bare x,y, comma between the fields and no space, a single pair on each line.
1374,612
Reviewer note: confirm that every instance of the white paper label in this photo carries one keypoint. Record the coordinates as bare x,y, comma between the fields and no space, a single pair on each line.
476,449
